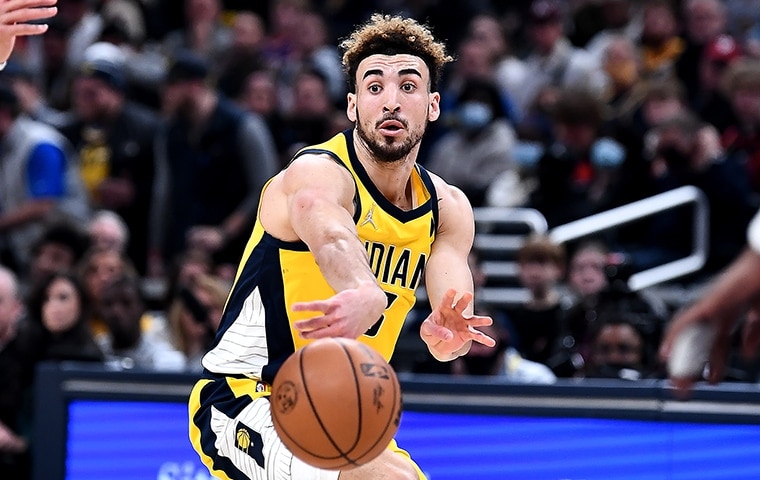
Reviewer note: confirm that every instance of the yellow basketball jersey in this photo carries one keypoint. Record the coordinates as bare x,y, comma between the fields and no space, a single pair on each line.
256,334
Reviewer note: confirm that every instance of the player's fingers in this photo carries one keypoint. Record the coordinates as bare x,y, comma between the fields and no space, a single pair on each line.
448,299
479,321
682,387
430,329
463,302
316,306
718,357
482,338
328,331
674,329
751,335
311,324
28,15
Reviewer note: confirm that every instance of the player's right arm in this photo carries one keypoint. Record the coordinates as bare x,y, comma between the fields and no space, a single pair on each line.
312,200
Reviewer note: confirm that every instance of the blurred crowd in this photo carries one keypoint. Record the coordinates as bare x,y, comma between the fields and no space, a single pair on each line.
136,135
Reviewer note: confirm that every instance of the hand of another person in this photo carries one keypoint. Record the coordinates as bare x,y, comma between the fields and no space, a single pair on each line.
751,334
349,313
718,355
206,238
447,331
709,148
9,441
15,16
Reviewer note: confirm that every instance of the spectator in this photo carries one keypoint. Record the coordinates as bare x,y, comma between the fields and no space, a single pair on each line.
244,55
479,148
621,64
660,43
108,231
115,139
39,180
535,324
218,159
509,73
553,61
597,282
310,119
712,105
204,33
312,51
194,317
619,350
96,269
742,139
60,246
259,95
127,344
686,151
578,173
60,311
16,369
704,21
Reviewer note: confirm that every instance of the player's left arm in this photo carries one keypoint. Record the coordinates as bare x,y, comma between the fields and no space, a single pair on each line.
450,329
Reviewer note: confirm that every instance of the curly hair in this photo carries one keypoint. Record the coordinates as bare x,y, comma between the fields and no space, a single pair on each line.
393,35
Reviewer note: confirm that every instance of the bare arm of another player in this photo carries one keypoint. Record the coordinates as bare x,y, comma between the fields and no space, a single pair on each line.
15,16
318,195
730,296
450,328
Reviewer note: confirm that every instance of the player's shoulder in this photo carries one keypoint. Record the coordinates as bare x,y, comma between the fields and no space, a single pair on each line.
447,191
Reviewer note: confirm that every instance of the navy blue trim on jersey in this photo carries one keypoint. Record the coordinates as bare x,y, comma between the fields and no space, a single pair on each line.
263,265
394,211
336,158
219,394
428,182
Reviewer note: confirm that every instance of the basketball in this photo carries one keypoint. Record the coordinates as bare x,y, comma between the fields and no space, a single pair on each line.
336,403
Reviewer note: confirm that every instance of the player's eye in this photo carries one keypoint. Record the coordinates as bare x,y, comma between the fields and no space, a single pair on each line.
374,88
408,87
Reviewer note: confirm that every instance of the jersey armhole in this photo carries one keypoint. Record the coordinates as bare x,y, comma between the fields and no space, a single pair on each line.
336,159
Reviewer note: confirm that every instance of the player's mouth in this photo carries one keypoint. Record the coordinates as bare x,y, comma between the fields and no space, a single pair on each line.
391,128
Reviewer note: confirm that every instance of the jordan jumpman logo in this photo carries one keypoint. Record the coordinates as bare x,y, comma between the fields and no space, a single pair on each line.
368,218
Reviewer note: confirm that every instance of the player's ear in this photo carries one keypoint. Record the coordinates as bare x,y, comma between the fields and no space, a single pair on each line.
351,107
434,108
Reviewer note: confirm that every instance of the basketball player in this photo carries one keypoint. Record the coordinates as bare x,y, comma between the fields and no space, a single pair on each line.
734,293
343,236
15,16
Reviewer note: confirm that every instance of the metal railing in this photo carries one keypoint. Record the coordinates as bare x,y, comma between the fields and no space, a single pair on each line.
644,208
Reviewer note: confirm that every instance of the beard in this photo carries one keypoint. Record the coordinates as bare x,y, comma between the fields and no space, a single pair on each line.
387,149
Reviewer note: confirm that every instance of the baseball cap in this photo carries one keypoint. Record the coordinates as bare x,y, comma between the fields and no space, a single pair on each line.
723,48
109,72
187,66
543,11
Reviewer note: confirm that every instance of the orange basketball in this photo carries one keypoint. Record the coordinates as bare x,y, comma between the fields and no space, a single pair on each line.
336,403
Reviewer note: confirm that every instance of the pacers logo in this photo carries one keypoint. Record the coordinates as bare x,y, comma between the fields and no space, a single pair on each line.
243,439
249,442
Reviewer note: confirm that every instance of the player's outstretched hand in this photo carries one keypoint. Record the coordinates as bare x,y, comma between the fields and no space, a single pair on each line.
447,331
15,18
348,313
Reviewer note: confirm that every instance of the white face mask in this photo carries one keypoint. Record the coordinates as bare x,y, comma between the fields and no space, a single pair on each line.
474,115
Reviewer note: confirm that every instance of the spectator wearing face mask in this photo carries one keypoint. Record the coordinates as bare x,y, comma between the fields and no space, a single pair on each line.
479,146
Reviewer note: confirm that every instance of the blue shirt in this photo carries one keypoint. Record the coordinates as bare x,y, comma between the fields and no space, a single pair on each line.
46,172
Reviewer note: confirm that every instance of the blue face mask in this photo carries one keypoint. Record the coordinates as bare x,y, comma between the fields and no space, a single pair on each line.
474,115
